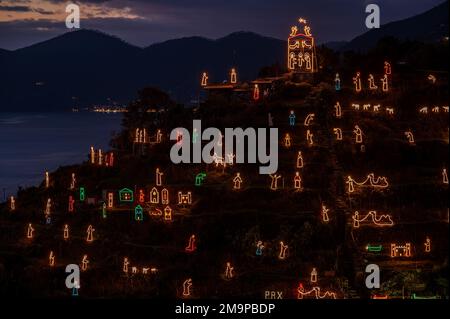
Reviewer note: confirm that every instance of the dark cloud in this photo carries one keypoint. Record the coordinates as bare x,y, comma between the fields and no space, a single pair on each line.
15,8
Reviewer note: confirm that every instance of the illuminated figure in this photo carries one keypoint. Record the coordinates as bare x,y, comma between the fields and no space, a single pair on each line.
110,200
357,82
358,135
309,119
168,213
387,68
283,248
315,291
385,82
134,270
158,177
187,285
309,137
204,79
154,196
84,263
229,271
92,152
376,108
380,221
379,182
66,231
372,85
12,203
256,92
191,245
401,250
125,265
338,132
389,110
444,176
337,82
158,136
199,178
424,110
30,231
237,181
165,196
301,49
233,76
104,210
90,234
431,78
287,140
299,159
259,248
292,118
338,110
141,196
51,259
138,213
325,217
48,207
355,106
314,275
100,157
297,181
184,198
82,194
230,158
73,181
47,180
274,181
427,245
410,137
71,202
435,109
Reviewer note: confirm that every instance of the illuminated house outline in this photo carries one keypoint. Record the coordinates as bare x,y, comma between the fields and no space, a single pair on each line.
126,195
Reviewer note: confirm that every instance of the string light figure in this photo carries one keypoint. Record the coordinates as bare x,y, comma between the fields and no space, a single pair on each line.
387,68
366,107
444,176
372,85
71,202
184,198
100,157
134,270
372,217
141,196
355,106
48,207
274,181
229,271
204,81
423,110
315,291
309,118
390,110
301,50
66,232
377,183
337,82
409,135
30,231
159,175
256,92
233,76
84,263
435,109
376,108
92,155
51,259
325,217
187,286
158,136
292,118
138,213
431,78
47,180
259,248
110,200
73,181
297,181
427,244
154,196
125,265
357,82
90,234
82,194
12,203
165,196
167,213
191,244
358,134
237,181
299,160
283,249
313,278
400,250
199,178
338,132
385,82
104,215
287,140
309,137
338,110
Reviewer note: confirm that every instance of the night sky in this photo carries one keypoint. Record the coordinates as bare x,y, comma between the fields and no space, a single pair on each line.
143,22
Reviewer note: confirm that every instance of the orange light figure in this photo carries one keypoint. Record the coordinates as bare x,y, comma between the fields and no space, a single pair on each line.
358,135
48,207
47,180
409,135
387,68
159,177
297,181
401,250
100,157
444,176
376,108
356,106
427,245
423,110
274,181
71,202
237,181
187,285
313,275
92,152
390,110
309,137
51,259
372,85
233,76
73,181
229,271
165,196
191,245
184,198
110,200
84,263
154,196
167,213
325,217
141,196
204,81
301,50
125,265
299,159
158,136
90,234
377,183
366,107
385,82
338,132
357,82
287,140
309,119
283,249
315,291
338,110
256,92
431,78
30,231
12,203
384,220
66,231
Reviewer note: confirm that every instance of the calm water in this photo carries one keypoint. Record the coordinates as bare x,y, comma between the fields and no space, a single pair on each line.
31,143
